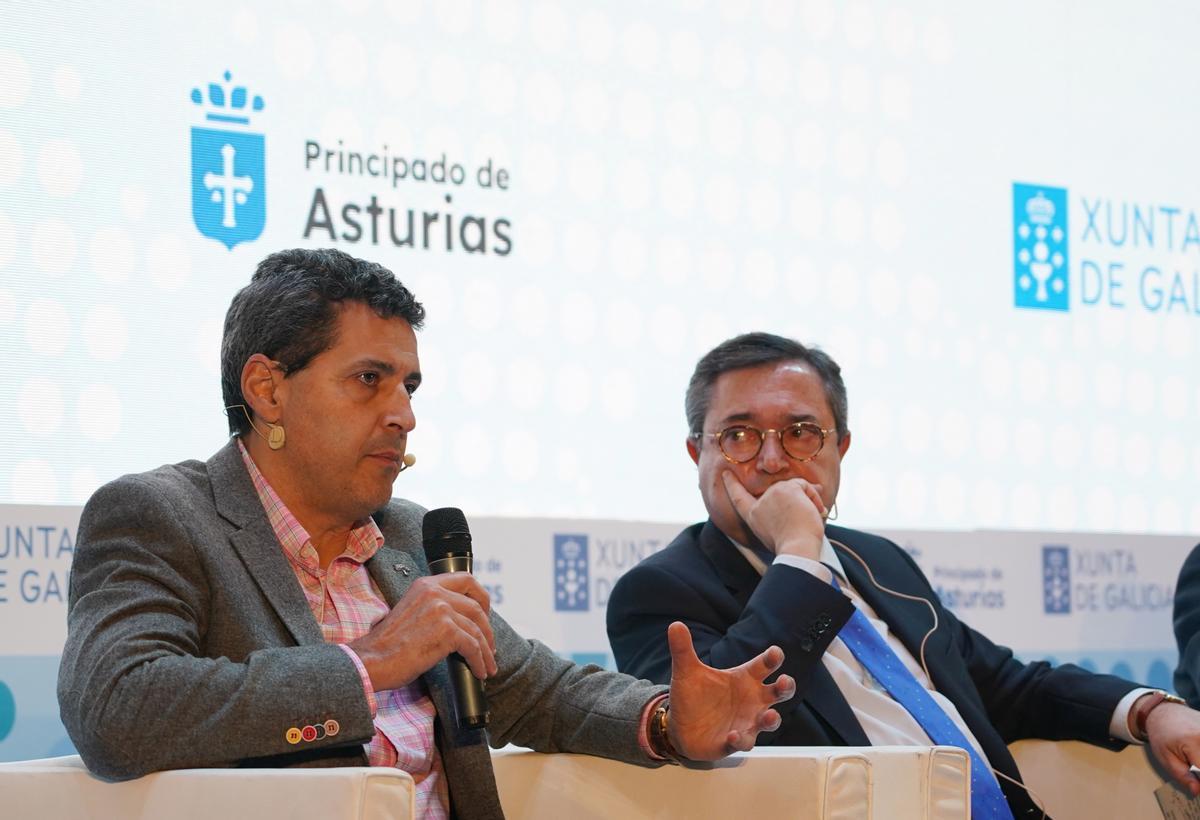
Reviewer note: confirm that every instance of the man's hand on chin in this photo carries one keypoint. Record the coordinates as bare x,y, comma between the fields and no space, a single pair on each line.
789,518
715,712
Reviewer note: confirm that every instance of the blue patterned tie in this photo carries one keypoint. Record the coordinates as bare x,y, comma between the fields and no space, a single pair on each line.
872,651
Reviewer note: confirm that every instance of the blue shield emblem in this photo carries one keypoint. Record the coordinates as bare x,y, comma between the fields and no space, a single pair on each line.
1040,257
570,573
1056,579
229,202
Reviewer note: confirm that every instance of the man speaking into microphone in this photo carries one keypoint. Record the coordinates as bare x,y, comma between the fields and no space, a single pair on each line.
272,606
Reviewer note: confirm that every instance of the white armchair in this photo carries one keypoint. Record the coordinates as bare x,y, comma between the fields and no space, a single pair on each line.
62,788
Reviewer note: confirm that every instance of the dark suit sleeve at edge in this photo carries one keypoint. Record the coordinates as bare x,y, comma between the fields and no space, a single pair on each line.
1187,629
790,609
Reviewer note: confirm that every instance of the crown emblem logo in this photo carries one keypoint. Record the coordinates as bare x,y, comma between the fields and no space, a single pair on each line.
227,102
228,165
1039,209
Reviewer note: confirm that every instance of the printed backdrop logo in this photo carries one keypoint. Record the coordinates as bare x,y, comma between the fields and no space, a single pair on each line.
1040,247
1056,579
229,198
570,573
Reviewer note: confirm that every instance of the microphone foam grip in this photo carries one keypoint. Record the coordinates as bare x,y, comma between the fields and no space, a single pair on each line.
445,531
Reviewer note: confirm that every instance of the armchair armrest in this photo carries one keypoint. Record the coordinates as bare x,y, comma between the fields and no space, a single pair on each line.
922,783
63,788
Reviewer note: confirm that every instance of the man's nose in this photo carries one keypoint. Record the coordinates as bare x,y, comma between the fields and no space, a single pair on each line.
400,411
771,458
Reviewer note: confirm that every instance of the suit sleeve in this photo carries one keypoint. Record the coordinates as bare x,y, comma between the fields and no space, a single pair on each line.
789,608
1187,629
137,693
549,704
1029,700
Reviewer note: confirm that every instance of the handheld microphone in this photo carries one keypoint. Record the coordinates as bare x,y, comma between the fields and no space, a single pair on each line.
447,542
408,461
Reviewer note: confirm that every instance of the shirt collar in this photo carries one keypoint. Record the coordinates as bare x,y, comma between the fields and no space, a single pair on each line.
363,542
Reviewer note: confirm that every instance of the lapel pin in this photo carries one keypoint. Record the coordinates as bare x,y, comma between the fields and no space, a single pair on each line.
403,569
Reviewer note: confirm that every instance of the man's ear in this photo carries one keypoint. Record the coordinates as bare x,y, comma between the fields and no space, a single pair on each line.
693,449
259,387
844,445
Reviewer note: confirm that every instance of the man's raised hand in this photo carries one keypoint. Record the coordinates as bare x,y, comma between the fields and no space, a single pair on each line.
715,712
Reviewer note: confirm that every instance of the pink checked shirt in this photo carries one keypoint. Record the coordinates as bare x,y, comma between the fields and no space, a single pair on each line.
346,603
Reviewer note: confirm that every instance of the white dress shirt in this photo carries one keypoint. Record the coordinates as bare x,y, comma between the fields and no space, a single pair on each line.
886,722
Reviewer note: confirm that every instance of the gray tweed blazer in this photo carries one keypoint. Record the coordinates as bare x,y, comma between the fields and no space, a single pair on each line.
190,644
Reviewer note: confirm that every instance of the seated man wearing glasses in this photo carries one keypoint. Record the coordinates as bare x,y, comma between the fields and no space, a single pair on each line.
876,658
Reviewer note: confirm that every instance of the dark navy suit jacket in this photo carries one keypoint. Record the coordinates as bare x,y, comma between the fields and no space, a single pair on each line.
734,613
1187,629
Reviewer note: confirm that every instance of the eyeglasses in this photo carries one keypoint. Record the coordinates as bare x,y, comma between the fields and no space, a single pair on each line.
741,442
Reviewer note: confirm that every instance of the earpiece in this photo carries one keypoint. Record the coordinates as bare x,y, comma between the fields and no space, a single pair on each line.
275,440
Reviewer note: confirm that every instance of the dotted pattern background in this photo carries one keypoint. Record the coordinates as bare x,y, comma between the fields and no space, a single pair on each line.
838,172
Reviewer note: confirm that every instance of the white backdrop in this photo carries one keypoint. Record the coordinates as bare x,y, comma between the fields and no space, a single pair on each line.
677,172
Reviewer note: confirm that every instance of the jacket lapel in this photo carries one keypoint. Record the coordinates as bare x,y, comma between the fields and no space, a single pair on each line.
732,568
255,543
394,571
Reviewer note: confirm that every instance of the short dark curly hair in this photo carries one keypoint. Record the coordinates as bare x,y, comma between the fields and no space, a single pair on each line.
289,313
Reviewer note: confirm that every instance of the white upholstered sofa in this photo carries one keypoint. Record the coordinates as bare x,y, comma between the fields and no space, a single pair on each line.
1072,779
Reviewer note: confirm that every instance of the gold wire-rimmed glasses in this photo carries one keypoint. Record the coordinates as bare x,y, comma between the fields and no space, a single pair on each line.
740,443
